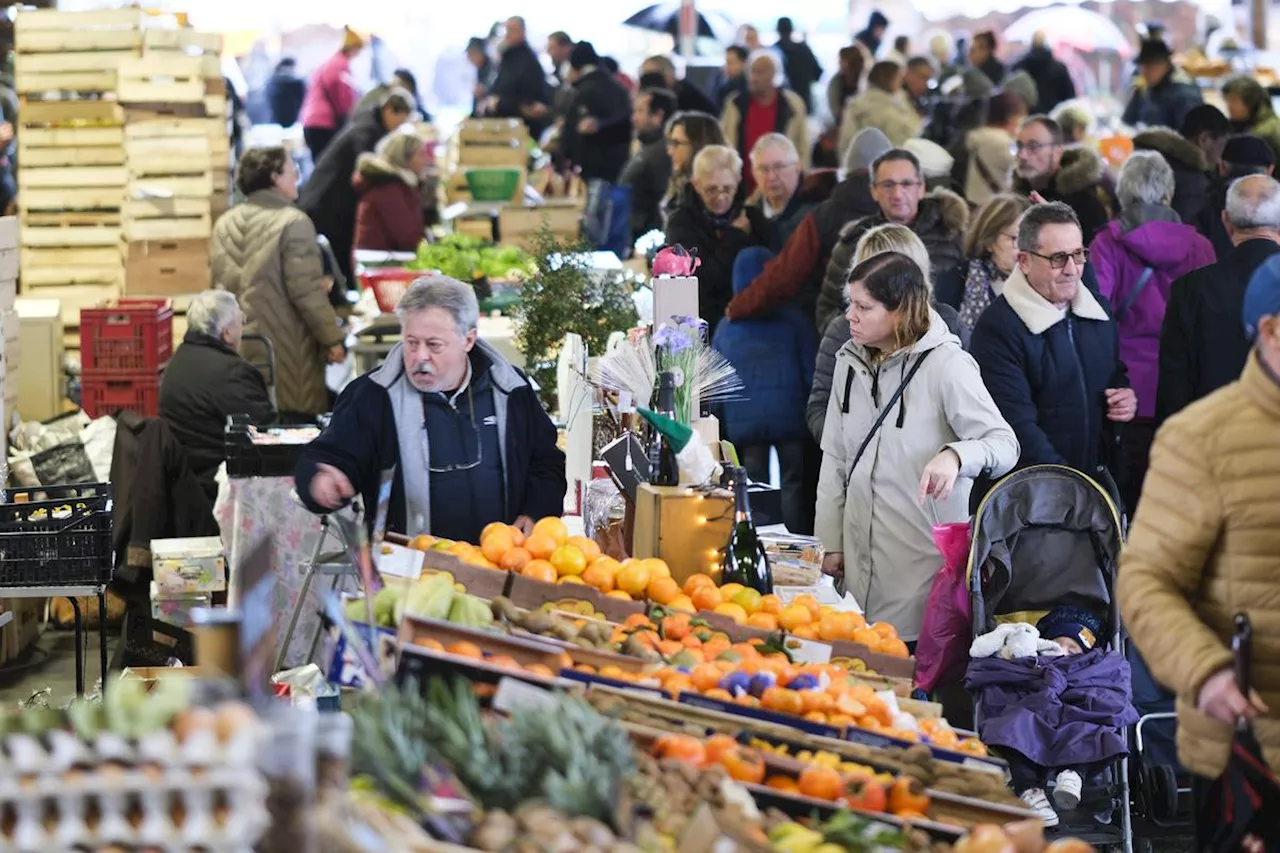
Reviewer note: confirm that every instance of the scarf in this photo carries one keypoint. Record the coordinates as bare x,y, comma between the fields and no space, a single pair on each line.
979,291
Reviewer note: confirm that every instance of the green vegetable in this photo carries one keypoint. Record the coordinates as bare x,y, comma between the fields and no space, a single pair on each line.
467,258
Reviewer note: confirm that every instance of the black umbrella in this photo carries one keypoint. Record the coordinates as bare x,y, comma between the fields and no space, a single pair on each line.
1239,813
665,18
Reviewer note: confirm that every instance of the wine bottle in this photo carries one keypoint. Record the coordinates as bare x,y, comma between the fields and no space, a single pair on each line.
745,560
663,468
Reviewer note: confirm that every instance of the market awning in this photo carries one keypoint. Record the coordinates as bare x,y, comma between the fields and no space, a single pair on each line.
1071,26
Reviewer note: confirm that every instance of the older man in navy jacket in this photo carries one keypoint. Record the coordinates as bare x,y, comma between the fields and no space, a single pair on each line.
1049,352
463,428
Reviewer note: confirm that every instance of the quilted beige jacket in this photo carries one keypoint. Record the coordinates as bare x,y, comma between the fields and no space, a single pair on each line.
265,252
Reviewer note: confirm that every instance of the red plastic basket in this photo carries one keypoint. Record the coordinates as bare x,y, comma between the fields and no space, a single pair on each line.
105,393
389,284
131,335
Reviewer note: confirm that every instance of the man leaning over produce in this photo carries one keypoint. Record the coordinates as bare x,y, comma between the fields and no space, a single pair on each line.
463,428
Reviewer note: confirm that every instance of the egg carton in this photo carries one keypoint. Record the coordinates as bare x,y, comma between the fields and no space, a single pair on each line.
222,808
58,751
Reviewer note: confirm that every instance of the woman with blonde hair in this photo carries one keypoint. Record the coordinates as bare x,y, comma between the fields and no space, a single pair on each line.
908,428
711,215
991,245
890,237
389,216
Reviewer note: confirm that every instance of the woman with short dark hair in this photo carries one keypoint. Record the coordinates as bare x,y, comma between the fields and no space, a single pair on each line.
687,134
265,252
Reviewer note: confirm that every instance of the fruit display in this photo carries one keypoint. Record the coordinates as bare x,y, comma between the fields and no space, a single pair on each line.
588,630
673,790
465,258
534,826
846,832
435,596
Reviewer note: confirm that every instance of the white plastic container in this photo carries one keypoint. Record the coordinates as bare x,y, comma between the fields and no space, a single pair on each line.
195,564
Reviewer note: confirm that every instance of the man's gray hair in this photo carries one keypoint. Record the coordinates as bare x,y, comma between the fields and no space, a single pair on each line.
212,312
440,291
1145,178
778,141
1037,217
1253,203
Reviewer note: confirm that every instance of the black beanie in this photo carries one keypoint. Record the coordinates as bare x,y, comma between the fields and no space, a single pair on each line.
582,55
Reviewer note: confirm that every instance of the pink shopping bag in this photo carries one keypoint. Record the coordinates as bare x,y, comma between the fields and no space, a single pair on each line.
947,630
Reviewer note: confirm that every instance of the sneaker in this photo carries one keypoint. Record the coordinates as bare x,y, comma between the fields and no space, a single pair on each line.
1039,803
1066,790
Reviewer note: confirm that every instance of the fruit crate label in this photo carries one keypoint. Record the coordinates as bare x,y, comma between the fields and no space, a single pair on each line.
399,561
515,695
808,651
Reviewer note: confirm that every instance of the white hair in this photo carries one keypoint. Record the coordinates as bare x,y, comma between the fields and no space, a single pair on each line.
777,141
768,54
714,158
1145,178
212,312
440,291
1254,211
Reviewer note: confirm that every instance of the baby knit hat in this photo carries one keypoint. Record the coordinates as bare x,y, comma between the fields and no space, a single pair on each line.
1081,625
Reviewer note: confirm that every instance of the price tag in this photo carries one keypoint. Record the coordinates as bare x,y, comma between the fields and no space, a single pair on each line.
808,651
398,561
513,695
624,402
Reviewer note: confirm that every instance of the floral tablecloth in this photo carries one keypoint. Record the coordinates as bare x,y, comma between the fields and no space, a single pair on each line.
250,509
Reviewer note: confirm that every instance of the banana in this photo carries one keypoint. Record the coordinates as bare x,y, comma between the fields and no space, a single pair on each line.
798,840
432,598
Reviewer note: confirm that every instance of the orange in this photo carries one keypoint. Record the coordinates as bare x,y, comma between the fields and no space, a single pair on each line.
782,700
815,609
867,637
836,626
422,542
705,677
806,632
568,560
663,590
633,579
694,581
588,547
552,527
619,593
895,647
658,567
539,570
733,611
821,783
885,630
599,575
682,603
430,643
770,604
785,784
729,590
794,616
504,661
717,745
748,599
706,597
636,620
718,694
540,545
515,559
840,720
764,621
816,701
540,669
492,526
571,579
465,650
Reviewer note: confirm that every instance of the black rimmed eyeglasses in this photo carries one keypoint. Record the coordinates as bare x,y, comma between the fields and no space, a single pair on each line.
1058,260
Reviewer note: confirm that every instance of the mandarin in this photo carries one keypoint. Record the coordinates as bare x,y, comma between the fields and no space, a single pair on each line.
633,578
553,527
806,632
748,599
785,784
885,630
515,559
540,545
836,626
464,649
589,547
729,590
811,603
539,570
821,783
794,616
694,581
599,575
662,590
568,560
706,597
763,621
705,677
682,603
733,611
658,567
770,604
620,593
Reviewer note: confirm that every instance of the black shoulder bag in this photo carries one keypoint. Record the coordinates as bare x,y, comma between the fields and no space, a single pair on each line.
884,413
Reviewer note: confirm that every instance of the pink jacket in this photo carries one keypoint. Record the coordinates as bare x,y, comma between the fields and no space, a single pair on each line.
331,96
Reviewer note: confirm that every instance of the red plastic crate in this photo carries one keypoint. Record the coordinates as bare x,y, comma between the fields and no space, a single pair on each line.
107,392
129,335
389,284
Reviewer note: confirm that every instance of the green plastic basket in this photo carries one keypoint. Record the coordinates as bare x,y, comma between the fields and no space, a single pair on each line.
493,184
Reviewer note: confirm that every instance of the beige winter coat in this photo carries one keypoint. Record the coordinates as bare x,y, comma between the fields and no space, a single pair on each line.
796,128
991,161
873,516
890,113
265,252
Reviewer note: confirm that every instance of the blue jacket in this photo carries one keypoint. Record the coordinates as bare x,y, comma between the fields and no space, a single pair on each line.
774,356
363,440
1049,374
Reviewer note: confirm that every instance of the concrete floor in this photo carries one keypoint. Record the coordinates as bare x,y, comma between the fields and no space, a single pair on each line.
51,663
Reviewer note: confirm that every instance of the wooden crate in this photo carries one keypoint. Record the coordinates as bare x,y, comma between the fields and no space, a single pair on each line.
186,228
164,79
73,298
52,31
184,40
46,267
493,156
23,630
168,155
166,267
146,125
54,236
176,186
492,130
71,114
73,177
517,225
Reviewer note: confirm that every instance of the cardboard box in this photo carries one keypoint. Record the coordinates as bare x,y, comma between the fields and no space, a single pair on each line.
687,529
192,565
166,267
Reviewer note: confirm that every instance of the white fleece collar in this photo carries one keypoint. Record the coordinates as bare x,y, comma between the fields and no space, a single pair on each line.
1039,314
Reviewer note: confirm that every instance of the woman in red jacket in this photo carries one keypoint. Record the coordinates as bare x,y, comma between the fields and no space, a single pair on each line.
389,216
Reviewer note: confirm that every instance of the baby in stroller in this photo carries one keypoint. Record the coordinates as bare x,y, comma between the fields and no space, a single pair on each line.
1053,702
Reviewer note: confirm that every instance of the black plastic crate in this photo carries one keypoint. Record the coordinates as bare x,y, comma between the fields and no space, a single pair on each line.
61,537
247,459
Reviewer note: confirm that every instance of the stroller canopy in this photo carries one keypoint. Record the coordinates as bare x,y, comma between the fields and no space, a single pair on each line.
1044,536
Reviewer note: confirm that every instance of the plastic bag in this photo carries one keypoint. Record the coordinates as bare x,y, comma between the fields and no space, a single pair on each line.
948,617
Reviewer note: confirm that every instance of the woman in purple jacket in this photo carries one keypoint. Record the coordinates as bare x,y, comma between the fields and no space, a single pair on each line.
1137,257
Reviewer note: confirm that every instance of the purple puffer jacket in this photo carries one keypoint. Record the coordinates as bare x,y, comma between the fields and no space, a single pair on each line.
1059,712
1148,236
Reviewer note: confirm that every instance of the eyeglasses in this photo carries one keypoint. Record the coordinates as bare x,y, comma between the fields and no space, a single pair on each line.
1033,147
448,469
890,186
676,143
718,192
1058,260
775,169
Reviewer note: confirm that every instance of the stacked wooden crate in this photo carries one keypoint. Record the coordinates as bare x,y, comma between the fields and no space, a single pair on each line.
72,176
486,143
9,340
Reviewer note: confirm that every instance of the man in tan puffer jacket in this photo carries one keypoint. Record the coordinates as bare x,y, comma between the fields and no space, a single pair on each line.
1206,545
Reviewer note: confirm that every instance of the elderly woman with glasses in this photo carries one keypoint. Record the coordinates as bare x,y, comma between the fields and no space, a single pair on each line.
711,216
1137,257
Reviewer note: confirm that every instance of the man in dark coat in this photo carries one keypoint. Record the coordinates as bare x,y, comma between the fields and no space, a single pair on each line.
463,428
478,56
1192,181
285,91
1242,156
1049,351
1053,82
1072,175
648,172
597,125
206,380
328,196
982,56
798,63
659,72
520,88
870,38
1202,343
1163,95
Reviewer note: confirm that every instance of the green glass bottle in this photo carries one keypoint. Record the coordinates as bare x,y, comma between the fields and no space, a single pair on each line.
745,560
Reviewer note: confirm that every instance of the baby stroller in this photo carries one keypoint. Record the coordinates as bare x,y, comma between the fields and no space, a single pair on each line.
1043,535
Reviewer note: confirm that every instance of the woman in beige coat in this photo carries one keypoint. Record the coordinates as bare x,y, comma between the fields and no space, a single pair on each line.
896,464
265,252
